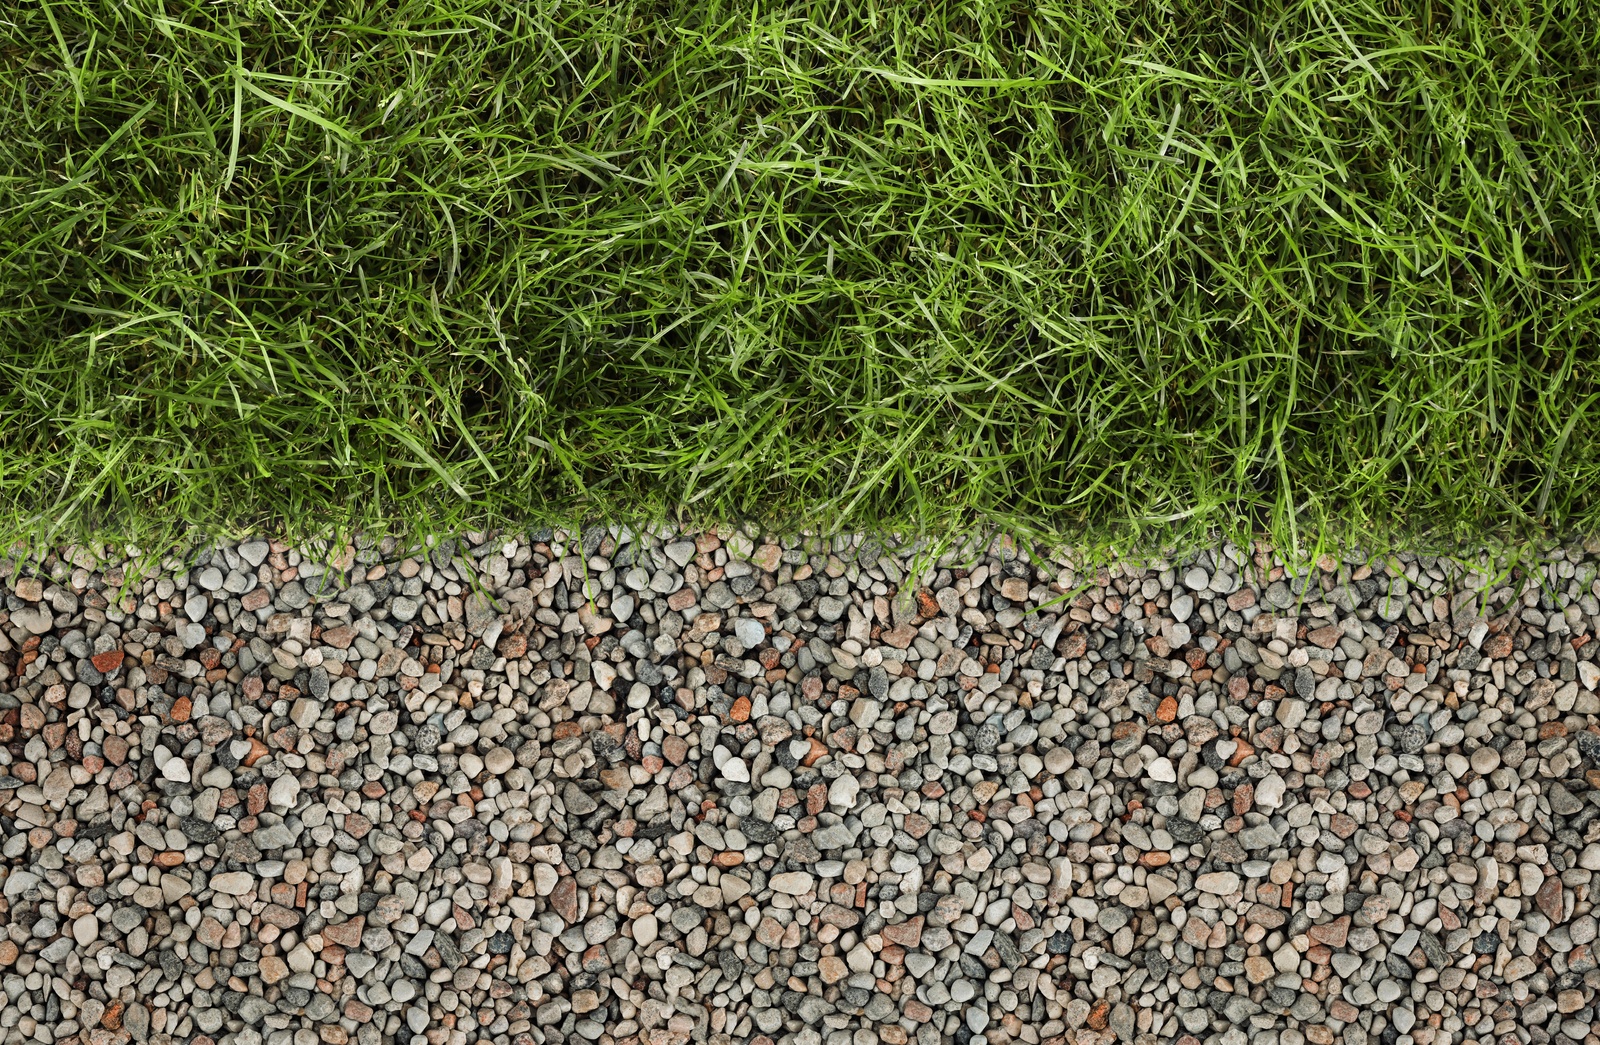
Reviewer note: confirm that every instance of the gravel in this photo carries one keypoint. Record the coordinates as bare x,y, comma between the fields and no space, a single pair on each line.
795,792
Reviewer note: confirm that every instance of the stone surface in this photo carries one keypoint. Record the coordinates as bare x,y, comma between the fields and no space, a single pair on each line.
555,787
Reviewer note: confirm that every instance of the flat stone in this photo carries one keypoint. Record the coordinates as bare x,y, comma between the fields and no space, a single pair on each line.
794,883
233,883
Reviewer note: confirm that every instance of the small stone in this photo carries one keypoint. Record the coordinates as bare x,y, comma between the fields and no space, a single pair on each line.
599,930
35,620
86,930
285,792
1333,933
1270,792
305,712
864,712
749,632
793,883
233,883
564,899
1549,899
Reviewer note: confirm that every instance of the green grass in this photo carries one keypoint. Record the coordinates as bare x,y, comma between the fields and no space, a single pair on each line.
1115,271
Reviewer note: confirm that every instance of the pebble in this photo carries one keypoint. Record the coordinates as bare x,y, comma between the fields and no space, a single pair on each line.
796,793
1220,883
1270,792
233,883
285,791
794,883
749,632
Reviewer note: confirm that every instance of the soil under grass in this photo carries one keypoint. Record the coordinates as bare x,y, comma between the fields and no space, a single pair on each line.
1115,271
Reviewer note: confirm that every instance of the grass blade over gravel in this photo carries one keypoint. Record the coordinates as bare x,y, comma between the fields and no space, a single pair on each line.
1092,268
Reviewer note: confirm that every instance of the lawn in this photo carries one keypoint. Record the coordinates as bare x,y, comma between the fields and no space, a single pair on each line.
1137,271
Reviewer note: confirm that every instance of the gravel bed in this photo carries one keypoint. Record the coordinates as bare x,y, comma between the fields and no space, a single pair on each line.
748,791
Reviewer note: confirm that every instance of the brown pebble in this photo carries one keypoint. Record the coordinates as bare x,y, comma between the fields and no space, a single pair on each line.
1331,933
1550,901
